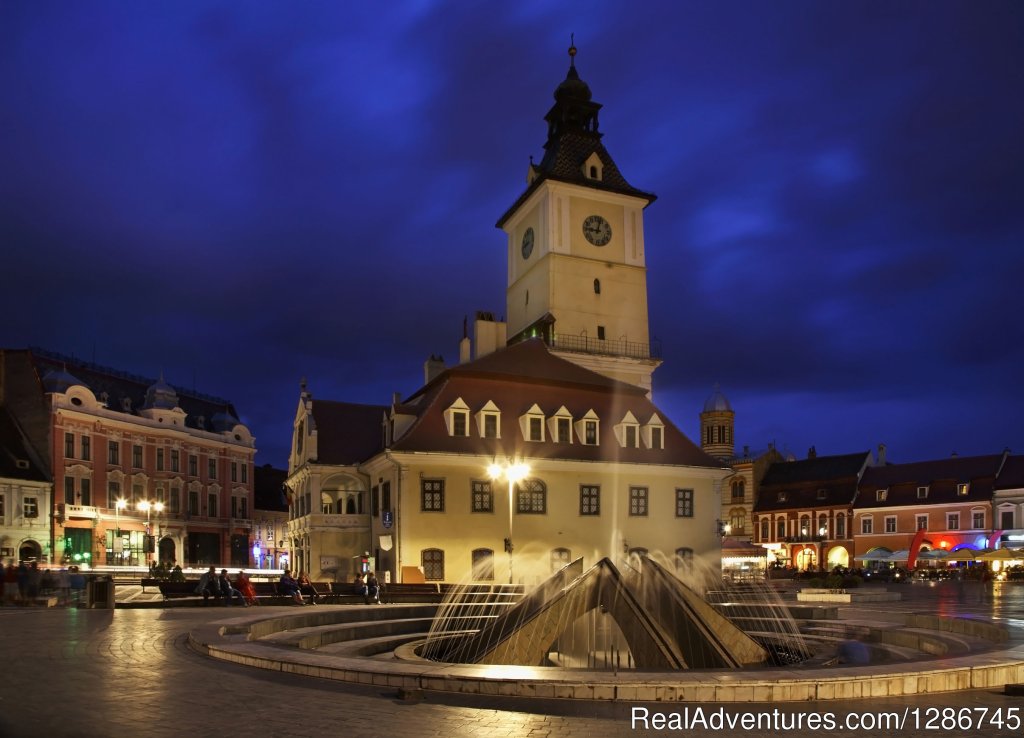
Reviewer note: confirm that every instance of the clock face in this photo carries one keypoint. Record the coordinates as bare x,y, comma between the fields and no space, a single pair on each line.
597,230
527,243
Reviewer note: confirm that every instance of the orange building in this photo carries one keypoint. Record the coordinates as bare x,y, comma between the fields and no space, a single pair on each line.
142,471
950,499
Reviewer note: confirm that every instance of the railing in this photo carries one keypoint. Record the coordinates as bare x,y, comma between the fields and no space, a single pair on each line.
336,521
589,345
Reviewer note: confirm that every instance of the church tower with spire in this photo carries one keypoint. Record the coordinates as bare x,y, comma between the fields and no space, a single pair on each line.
577,275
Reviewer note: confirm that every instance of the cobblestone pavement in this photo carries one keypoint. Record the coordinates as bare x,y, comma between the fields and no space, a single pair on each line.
104,673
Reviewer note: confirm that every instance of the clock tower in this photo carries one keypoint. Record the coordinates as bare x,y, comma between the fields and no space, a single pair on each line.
577,276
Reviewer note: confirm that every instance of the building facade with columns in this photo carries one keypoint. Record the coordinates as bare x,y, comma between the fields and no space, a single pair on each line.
143,471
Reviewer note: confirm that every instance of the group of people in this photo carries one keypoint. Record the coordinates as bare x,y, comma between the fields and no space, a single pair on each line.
296,588
221,587
24,582
369,588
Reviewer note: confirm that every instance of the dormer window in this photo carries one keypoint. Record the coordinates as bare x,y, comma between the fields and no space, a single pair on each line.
532,424
962,489
488,421
881,494
627,432
588,429
822,494
593,167
922,493
560,426
653,433
782,497
456,418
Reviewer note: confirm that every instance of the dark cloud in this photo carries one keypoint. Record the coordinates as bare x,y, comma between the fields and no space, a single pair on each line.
243,196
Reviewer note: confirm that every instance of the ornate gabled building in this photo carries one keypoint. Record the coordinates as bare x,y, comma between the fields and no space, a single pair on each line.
608,473
143,471
804,510
584,465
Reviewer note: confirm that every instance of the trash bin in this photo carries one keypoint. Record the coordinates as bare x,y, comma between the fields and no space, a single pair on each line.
99,592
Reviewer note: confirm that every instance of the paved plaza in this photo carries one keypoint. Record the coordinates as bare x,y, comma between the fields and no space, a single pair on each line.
130,672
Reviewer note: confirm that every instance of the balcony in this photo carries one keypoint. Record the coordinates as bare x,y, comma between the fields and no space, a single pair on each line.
335,521
806,538
599,347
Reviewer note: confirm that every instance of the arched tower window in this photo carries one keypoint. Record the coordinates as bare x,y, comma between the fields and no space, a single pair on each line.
597,286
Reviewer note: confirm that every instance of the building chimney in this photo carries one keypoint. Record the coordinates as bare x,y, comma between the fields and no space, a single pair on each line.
881,454
432,367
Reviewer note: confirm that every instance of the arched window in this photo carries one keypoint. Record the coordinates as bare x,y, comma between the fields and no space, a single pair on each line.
739,489
531,497
350,506
684,560
597,286
560,557
432,562
593,172
765,529
483,564
822,523
805,525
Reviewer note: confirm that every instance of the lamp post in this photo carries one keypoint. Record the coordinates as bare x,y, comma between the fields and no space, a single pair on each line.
514,472
119,505
147,507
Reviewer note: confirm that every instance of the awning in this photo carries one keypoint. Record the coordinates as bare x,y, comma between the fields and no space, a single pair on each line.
875,554
1002,554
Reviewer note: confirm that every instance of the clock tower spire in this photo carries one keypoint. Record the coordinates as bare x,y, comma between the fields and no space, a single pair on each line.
577,274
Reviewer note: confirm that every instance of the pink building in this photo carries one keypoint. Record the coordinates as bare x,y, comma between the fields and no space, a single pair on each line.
142,471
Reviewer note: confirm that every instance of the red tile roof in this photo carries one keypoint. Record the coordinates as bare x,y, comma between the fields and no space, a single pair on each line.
516,378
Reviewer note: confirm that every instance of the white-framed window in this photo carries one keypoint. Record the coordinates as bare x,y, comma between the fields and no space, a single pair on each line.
588,429
881,494
921,521
922,493
488,421
456,418
867,524
952,521
978,520
963,488
822,494
890,523
532,424
627,432
560,426
31,507
653,433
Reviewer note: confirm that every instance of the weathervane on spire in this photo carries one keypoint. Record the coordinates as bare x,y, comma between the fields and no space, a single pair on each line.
572,49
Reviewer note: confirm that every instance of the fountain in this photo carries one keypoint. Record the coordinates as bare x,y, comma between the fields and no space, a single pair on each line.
645,617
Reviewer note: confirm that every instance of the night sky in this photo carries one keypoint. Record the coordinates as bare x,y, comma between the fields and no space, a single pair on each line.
244,194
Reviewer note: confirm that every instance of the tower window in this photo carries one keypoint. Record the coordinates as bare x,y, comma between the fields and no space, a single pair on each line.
597,286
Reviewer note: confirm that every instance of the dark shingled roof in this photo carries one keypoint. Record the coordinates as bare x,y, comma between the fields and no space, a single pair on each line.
572,138
941,477
1012,474
820,482
516,378
119,385
17,458
347,433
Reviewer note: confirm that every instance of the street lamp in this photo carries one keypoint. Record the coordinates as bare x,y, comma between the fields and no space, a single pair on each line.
514,472
119,505
147,507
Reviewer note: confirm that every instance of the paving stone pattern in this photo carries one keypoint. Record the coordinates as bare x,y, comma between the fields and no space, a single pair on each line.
129,672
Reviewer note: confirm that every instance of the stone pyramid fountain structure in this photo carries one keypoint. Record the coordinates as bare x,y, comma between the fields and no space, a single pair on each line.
665,624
